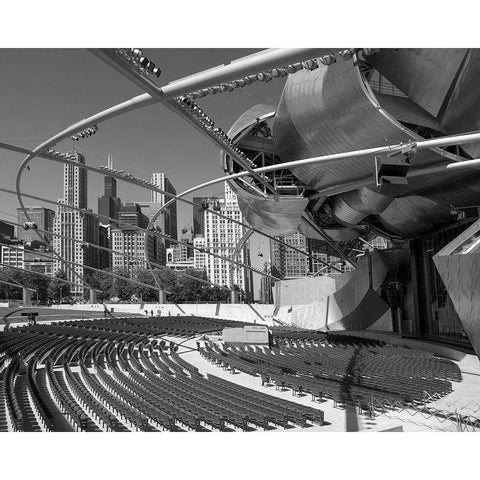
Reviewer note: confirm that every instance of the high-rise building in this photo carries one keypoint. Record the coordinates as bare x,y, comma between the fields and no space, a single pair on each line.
221,238
109,203
169,226
287,262
198,216
129,241
163,222
199,258
104,257
166,222
42,216
75,225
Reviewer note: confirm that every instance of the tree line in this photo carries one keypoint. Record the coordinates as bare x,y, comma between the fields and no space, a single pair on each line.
179,288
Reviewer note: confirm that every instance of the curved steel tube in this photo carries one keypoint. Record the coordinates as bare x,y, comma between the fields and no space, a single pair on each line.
328,160
235,253
45,275
145,99
98,246
97,170
136,282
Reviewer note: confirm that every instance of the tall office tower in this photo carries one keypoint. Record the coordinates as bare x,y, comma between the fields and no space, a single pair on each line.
199,258
221,238
287,262
43,217
169,223
104,257
335,265
79,226
109,203
162,222
129,241
198,216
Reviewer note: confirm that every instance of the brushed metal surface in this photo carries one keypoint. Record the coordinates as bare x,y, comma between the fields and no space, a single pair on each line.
248,119
461,275
333,109
346,308
353,206
329,111
337,234
405,110
412,215
326,111
424,74
461,113
280,216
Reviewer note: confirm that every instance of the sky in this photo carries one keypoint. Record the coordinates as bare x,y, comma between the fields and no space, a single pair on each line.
42,91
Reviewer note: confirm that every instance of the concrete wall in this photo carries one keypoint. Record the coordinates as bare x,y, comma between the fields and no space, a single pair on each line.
261,314
305,290
355,304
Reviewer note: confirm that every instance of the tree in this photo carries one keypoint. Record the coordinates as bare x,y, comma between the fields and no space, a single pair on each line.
144,293
35,282
123,289
58,289
102,282
8,292
188,289
166,278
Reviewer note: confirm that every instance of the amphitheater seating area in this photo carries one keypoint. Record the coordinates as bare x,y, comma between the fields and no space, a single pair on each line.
346,369
119,375
129,374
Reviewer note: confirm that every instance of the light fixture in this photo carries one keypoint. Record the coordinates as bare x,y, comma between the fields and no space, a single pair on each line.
347,54
328,60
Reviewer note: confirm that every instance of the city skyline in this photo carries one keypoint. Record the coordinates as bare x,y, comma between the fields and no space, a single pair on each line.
144,142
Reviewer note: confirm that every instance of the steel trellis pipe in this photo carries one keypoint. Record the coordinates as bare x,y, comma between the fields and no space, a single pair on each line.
97,170
201,280
62,280
141,284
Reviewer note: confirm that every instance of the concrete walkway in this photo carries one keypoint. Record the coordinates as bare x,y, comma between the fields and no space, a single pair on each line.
336,417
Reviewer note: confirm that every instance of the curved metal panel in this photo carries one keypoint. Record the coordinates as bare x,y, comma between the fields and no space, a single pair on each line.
461,113
326,111
248,119
424,74
337,234
347,307
404,110
460,271
413,215
280,216
353,206
330,110
333,109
